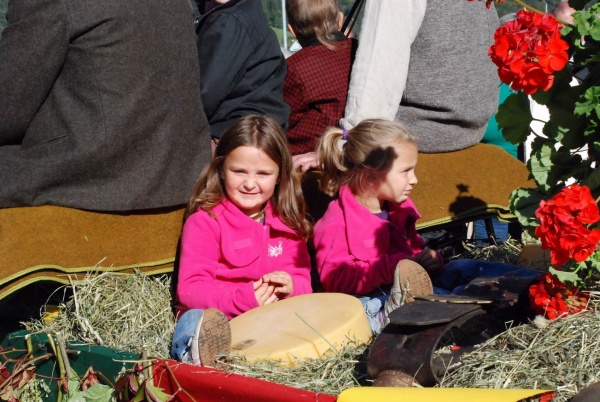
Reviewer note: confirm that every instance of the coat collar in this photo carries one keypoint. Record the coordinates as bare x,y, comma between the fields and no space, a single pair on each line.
224,6
368,235
241,236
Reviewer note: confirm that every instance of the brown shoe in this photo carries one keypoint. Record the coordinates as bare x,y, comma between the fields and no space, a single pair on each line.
410,280
212,337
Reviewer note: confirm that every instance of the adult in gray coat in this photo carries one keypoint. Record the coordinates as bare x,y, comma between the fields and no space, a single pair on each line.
99,104
425,63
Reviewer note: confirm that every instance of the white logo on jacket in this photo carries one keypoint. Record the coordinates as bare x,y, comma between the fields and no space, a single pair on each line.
275,251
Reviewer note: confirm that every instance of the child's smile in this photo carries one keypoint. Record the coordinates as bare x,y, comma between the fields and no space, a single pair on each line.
250,178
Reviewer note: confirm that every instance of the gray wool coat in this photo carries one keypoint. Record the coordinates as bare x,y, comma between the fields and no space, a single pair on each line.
99,104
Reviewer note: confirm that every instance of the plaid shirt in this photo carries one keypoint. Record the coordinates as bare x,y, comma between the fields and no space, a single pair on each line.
316,88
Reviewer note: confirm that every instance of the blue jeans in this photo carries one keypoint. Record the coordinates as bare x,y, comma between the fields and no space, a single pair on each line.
480,233
373,304
458,273
184,332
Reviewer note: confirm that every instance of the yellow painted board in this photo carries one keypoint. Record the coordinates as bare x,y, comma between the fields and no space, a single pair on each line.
299,327
378,394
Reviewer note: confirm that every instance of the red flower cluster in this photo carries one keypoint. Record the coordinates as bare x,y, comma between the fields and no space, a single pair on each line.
563,221
549,297
528,51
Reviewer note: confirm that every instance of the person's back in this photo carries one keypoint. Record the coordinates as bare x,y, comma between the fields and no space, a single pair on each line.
100,112
451,89
241,65
425,63
316,84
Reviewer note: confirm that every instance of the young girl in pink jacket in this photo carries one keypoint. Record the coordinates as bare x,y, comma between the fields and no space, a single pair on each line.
244,240
367,240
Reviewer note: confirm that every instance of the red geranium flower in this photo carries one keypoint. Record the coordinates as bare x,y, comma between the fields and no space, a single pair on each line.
563,221
528,51
549,297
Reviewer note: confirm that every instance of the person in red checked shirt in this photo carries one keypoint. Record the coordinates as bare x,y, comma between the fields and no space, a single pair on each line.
316,84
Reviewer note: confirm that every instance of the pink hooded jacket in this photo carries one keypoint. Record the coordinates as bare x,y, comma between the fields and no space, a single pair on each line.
357,251
222,255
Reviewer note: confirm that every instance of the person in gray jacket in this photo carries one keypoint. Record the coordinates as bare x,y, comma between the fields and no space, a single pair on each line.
425,63
99,104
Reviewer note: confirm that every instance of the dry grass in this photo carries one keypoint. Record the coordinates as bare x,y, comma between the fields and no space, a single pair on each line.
331,374
132,312
119,311
564,355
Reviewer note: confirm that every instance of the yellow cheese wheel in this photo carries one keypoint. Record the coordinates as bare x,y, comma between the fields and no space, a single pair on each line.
300,327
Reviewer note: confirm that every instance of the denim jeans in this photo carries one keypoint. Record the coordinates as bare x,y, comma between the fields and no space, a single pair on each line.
458,273
481,235
373,304
184,332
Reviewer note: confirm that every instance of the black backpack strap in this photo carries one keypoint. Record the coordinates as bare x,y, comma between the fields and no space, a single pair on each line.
351,17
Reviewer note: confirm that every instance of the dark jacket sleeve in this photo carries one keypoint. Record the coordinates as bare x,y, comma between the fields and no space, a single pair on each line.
32,51
222,60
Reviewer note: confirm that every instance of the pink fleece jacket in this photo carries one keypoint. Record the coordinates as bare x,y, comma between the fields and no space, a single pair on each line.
222,255
357,251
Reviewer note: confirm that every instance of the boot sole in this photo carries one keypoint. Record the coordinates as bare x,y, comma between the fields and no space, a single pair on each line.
214,337
417,278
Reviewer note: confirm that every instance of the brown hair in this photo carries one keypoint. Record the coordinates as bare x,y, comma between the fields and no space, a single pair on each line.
366,157
264,133
313,19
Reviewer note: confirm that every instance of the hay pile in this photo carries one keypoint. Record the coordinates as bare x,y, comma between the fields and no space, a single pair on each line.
133,312
507,252
331,374
564,356
119,311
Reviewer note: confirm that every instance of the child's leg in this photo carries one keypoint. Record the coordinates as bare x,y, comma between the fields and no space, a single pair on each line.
373,305
200,335
410,280
460,272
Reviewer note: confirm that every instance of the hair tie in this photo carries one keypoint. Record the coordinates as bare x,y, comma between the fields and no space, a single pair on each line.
344,134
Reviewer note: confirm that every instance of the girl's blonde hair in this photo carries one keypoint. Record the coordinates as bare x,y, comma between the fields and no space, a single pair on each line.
313,19
264,133
366,156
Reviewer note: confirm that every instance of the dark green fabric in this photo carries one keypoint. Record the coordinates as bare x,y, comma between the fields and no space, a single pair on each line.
107,361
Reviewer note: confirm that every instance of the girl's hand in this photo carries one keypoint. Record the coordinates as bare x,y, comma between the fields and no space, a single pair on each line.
304,162
282,281
264,293
429,260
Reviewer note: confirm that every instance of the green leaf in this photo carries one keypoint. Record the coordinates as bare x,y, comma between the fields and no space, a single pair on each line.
565,276
594,150
514,118
593,180
587,23
74,388
590,105
541,167
593,262
98,393
155,394
523,203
